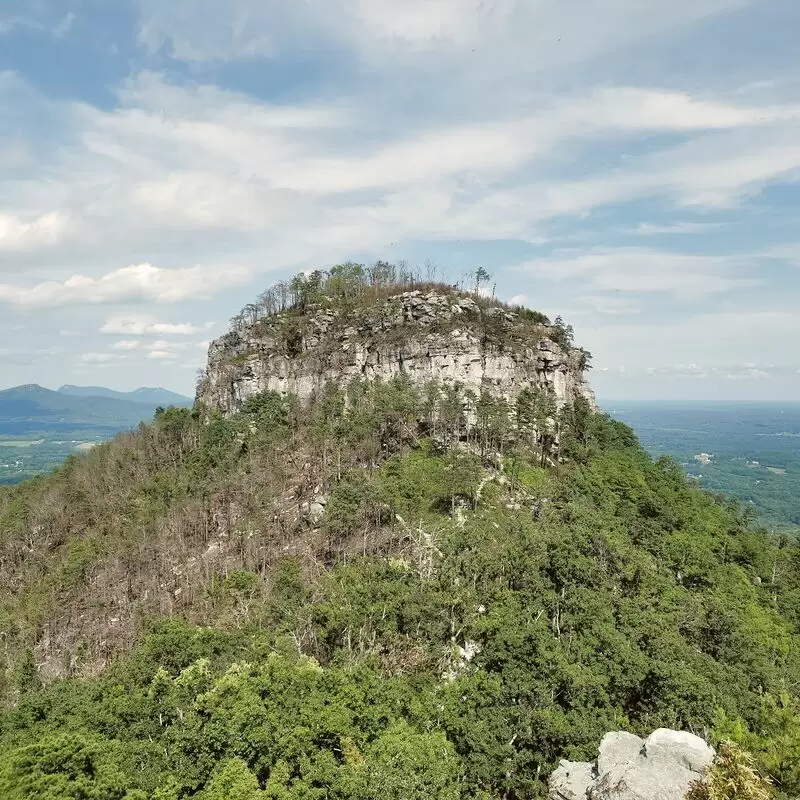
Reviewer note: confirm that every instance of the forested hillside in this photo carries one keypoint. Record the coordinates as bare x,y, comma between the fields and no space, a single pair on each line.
387,591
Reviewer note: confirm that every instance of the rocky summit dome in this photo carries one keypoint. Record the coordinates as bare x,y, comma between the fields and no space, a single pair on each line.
431,333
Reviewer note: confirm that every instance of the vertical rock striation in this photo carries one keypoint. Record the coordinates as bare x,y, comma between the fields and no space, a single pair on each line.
449,337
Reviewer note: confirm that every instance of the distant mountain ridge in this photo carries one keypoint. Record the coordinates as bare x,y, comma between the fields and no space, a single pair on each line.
34,409
151,396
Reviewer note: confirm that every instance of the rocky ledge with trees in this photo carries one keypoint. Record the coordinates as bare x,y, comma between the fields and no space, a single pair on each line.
352,322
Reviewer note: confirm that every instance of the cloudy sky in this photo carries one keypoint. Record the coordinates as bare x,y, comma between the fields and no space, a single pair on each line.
632,165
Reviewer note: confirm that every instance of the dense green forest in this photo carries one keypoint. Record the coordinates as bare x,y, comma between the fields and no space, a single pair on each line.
389,590
462,619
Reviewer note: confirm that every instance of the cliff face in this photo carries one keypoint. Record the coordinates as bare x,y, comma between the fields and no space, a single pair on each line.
432,336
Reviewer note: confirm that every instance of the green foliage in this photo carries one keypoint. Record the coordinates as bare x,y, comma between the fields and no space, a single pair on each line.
63,767
489,590
562,333
268,408
732,776
234,781
404,765
773,738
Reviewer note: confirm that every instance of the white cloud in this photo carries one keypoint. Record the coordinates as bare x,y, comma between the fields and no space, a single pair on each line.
748,375
701,372
135,284
611,305
144,325
39,17
681,228
64,25
190,165
716,335
40,232
158,349
641,270
100,358
504,30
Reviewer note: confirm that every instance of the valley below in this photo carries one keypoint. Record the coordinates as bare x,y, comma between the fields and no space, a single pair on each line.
750,451
41,428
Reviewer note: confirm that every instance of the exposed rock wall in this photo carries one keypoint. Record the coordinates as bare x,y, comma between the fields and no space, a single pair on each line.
435,336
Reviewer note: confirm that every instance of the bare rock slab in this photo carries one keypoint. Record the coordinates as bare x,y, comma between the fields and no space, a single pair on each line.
661,767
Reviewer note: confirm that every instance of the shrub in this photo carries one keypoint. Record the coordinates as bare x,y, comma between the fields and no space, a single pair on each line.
733,776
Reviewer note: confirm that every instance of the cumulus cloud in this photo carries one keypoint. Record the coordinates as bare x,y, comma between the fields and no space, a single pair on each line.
135,284
42,231
157,349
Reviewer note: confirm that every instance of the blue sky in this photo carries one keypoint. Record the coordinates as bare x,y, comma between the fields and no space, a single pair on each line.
632,166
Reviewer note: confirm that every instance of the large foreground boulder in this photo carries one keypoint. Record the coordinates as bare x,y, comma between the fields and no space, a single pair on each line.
661,767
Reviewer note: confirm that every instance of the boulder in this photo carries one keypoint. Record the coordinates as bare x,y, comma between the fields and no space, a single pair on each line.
316,511
661,767
617,749
571,781
643,781
684,748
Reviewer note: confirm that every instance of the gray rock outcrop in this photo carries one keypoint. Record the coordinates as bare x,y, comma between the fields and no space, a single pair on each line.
425,336
661,767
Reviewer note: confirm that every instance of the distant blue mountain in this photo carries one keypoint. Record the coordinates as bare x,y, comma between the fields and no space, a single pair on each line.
32,408
150,396
52,425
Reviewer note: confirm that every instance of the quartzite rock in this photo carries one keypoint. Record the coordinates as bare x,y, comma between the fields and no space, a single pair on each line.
661,767
571,781
411,334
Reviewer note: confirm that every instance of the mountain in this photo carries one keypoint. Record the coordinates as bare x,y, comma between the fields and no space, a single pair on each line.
152,397
429,334
32,408
388,581
40,428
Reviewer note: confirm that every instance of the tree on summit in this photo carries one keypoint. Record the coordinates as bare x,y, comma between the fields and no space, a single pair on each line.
482,278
